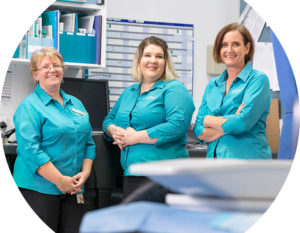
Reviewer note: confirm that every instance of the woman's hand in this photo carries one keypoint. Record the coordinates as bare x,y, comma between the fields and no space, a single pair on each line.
117,134
215,122
131,137
79,179
65,184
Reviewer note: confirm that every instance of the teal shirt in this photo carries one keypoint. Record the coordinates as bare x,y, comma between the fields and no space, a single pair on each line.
165,112
47,131
245,136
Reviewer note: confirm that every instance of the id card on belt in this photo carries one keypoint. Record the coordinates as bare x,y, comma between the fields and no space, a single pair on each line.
80,198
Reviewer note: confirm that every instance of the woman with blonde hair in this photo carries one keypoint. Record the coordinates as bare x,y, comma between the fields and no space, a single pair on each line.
150,120
55,146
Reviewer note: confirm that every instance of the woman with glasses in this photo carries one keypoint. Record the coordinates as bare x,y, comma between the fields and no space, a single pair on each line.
55,146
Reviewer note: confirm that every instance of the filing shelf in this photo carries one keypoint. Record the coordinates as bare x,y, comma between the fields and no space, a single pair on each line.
82,8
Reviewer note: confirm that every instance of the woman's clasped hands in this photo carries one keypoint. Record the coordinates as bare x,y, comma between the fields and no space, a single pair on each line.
124,137
72,185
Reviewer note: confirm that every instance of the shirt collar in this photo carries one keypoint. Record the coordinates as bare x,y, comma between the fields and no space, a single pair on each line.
66,98
243,75
45,98
158,84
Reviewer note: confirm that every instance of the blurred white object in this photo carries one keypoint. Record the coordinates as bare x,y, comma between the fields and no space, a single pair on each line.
227,178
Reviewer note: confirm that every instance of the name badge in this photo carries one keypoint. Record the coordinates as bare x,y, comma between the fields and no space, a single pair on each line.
78,112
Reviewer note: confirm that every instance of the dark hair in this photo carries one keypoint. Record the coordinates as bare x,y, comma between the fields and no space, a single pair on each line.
169,73
247,38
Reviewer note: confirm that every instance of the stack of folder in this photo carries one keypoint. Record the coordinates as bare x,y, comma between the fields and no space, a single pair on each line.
79,40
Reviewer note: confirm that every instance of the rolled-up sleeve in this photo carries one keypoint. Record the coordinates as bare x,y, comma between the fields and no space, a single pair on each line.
28,124
110,118
90,149
179,108
257,101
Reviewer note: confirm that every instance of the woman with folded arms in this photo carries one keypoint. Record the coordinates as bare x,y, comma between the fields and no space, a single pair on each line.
235,105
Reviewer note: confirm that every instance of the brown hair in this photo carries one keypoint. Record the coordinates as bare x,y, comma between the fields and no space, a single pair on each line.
38,56
247,38
169,73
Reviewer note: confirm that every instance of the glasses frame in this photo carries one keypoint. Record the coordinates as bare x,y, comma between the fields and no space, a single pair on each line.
47,68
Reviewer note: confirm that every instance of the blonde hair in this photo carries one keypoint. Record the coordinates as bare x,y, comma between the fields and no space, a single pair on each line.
40,54
169,73
247,38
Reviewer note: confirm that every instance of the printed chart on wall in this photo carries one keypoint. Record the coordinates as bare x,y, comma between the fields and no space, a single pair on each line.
123,38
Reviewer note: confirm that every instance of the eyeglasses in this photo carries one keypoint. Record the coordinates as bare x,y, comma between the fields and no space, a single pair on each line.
47,68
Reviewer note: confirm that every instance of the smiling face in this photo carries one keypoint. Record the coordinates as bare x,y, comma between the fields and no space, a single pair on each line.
233,50
49,74
152,63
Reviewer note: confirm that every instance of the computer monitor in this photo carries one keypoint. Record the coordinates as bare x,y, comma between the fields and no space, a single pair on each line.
94,96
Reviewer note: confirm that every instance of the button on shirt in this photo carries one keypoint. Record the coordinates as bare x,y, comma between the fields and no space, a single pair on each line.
245,136
165,112
47,131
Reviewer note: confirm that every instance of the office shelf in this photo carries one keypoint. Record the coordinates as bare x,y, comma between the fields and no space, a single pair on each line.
81,9
90,9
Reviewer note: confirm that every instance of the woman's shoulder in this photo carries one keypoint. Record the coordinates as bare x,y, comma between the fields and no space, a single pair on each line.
131,88
258,75
30,104
176,86
174,83
31,99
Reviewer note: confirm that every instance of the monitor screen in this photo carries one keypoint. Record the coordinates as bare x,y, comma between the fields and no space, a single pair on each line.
94,96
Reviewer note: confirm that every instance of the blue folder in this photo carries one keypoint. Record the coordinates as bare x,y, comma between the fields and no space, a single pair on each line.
78,47
52,18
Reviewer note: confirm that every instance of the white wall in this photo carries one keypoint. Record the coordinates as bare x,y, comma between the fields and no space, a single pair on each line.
208,17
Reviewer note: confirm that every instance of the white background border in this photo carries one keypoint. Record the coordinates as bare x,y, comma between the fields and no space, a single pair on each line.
282,16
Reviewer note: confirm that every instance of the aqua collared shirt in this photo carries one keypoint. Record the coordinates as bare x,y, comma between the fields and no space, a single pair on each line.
46,131
165,111
245,136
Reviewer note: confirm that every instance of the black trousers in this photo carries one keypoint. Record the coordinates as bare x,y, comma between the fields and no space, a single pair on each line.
60,212
132,183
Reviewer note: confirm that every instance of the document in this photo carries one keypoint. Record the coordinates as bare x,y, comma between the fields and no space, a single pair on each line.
69,21
252,21
264,61
87,23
